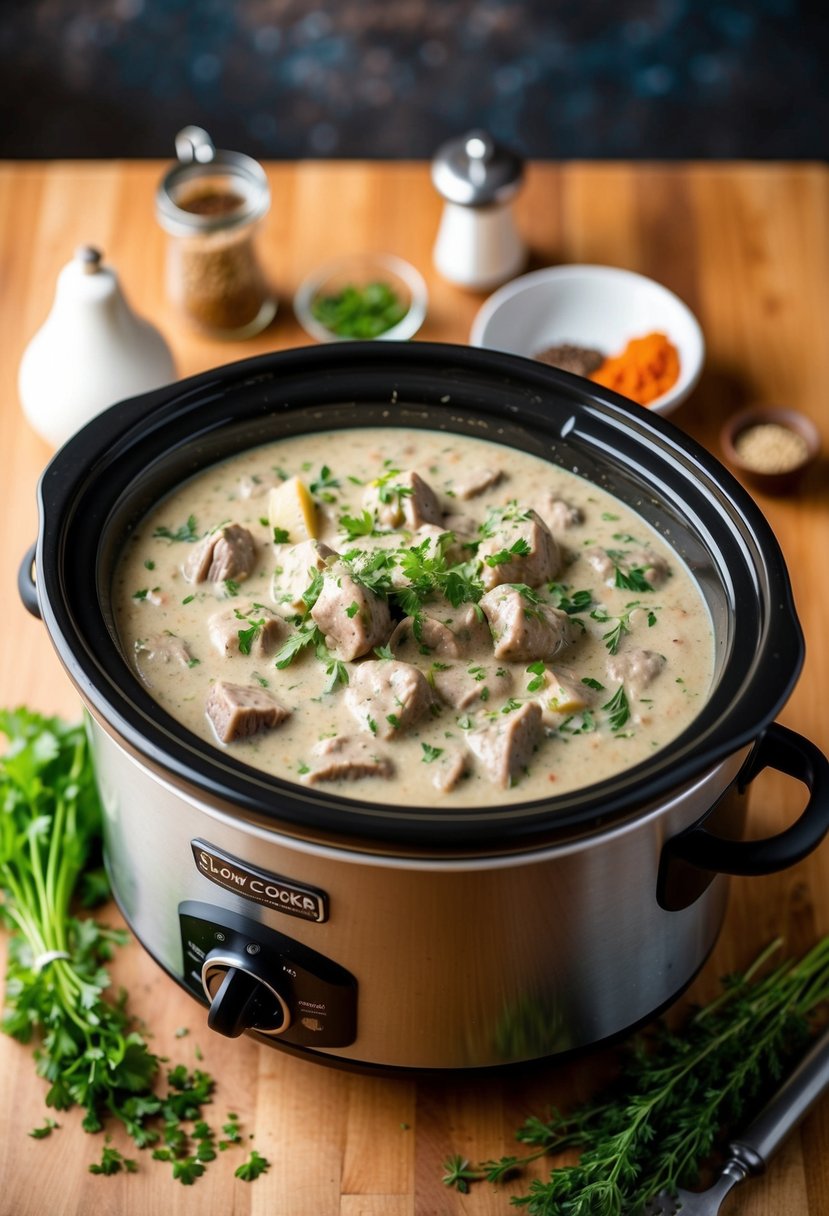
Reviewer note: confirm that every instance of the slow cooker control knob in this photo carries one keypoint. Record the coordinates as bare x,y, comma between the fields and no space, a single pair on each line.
241,1000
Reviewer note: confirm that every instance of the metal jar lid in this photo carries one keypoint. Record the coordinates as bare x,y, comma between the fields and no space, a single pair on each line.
199,161
475,171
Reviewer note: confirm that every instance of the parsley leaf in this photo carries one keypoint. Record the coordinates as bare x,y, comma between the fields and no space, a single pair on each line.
618,709
357,525
430,753
187,532
537,670
255,1165
521,548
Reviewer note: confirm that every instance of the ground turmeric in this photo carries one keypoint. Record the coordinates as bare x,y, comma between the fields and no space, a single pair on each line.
645,369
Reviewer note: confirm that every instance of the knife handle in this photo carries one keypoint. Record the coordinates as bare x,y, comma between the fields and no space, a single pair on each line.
797,1095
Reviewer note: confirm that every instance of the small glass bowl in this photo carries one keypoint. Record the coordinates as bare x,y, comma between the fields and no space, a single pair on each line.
770,481
360,270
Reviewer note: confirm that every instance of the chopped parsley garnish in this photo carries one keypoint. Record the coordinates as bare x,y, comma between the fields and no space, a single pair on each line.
306,635
352,610
621,624
231,587
632,580
142,594
322,486
357,525
565,601
281,536
628,578
255,1165
618,709
185,532
591,683
430,753
496,516
383,652
537,670
40,1133
248,636
510,705
112,1162
521,548
428,571
149,564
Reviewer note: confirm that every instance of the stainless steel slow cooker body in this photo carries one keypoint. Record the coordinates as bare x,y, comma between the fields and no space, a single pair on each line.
418,937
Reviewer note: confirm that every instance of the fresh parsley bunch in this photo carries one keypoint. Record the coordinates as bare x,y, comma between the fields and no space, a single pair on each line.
56,978
50,827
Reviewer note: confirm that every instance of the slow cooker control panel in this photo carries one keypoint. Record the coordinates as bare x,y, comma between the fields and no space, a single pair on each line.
254,978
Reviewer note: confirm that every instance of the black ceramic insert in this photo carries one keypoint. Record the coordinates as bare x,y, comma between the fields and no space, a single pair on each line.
100,484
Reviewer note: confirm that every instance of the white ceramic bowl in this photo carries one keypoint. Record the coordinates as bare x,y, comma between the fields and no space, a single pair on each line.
595,306
359,270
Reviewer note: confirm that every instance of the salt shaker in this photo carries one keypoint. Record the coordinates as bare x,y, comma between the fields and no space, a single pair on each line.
478,245
211,203
91,351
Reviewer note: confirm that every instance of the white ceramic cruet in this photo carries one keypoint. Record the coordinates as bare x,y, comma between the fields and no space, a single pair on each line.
91,351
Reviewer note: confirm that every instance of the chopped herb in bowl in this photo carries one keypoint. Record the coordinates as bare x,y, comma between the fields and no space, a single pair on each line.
362,296
359,312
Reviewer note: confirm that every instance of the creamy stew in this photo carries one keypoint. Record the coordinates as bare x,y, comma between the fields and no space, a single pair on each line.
413,617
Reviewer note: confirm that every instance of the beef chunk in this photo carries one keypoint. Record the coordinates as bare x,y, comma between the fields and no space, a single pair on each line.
455,633
465,527
435,638
477,482
536,560
404,499
463,684
353,619
161,650
296,566
557,514
164,648
229,552
449,769
249,629
387,697
635,668
237,711
654,568
506,746
524,631
347,759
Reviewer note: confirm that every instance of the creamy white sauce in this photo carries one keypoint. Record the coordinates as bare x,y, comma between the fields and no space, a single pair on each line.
577,747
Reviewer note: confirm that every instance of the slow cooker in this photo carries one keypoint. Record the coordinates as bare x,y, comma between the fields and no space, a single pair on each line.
419,937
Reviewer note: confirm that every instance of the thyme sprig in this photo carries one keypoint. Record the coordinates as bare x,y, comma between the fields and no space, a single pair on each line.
679,1094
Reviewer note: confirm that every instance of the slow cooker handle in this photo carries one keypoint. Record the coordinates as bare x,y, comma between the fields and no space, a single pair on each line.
26,585
787,752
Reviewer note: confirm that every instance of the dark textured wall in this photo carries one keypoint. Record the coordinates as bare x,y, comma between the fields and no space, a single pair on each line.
392,78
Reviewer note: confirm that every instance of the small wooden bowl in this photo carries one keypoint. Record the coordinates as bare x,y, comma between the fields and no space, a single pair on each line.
784,481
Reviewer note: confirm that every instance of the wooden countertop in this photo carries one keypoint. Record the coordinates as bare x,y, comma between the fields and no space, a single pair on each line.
747,246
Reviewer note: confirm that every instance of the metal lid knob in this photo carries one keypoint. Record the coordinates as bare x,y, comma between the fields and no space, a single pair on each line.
474,170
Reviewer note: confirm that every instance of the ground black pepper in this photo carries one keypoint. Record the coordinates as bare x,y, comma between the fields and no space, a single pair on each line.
580,360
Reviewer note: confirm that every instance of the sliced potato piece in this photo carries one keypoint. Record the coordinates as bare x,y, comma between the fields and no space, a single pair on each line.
562,694
291,507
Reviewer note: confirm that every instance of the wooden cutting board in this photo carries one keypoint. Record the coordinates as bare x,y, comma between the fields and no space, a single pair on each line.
747,246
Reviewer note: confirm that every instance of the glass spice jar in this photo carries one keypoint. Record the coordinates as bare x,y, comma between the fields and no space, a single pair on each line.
211,203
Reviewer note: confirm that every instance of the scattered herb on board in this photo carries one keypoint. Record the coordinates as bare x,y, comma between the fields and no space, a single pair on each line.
359,312
56,977
678,1094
